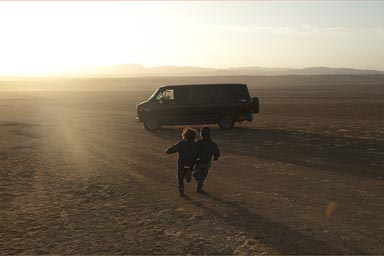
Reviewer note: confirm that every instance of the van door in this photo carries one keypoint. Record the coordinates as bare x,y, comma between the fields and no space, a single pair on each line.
201,104
172,105
221,101
182,107
164,107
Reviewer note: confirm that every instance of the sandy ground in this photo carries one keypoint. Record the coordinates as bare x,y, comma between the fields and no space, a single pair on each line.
79,176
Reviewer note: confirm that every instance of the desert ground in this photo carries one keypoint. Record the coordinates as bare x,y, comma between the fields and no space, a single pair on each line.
79,176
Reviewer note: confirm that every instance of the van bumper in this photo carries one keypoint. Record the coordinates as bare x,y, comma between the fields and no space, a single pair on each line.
246,117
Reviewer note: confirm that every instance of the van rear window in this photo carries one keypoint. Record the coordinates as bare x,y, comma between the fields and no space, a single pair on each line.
231,93
200,93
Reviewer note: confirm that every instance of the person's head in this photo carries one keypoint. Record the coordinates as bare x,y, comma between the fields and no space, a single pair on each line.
188,134
205,133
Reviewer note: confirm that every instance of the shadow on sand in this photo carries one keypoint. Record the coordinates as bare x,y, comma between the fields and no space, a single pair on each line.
277,236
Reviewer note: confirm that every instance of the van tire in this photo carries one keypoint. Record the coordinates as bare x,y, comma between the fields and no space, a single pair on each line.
151,123
226,122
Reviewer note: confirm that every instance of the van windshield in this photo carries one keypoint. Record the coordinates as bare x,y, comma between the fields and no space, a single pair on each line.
153,96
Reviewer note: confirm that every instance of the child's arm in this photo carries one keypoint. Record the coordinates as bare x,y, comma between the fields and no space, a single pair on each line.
173,149
216,152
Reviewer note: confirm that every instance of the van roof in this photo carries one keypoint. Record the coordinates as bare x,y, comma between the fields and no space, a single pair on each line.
182,85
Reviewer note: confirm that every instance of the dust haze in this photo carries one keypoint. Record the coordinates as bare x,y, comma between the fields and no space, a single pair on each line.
79,176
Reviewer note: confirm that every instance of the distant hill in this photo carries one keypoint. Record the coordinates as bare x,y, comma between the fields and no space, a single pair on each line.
137,70
303,71
134,70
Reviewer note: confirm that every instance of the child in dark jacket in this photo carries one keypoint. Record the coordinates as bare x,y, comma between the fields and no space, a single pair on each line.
207,150
188,151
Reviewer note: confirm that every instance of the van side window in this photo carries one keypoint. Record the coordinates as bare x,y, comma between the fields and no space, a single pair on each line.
240,93
230,94
201,94
182,94
166,95
222,94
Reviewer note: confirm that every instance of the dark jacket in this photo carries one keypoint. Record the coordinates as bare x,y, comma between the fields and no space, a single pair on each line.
207,150
188,152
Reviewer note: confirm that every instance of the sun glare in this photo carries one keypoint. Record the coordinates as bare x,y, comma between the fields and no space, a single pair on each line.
46,38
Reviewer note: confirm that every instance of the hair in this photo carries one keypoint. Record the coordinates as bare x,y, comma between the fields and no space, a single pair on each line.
205,133
189,134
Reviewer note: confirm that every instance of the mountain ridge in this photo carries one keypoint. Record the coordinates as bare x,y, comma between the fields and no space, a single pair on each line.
130,70
138,70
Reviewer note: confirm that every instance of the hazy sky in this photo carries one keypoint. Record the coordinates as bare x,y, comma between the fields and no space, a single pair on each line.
50,36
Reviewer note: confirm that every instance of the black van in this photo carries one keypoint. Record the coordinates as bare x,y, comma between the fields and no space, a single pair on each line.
223,104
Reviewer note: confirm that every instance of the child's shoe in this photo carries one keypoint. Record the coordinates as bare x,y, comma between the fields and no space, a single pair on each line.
181,191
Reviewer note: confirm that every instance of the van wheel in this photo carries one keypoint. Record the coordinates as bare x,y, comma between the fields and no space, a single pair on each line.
226,122
151,124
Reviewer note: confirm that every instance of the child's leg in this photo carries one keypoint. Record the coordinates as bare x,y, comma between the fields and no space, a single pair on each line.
180,180
204,174
188,174
200,182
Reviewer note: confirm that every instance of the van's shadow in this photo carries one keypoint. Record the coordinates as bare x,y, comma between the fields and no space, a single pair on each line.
361,157
277,236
